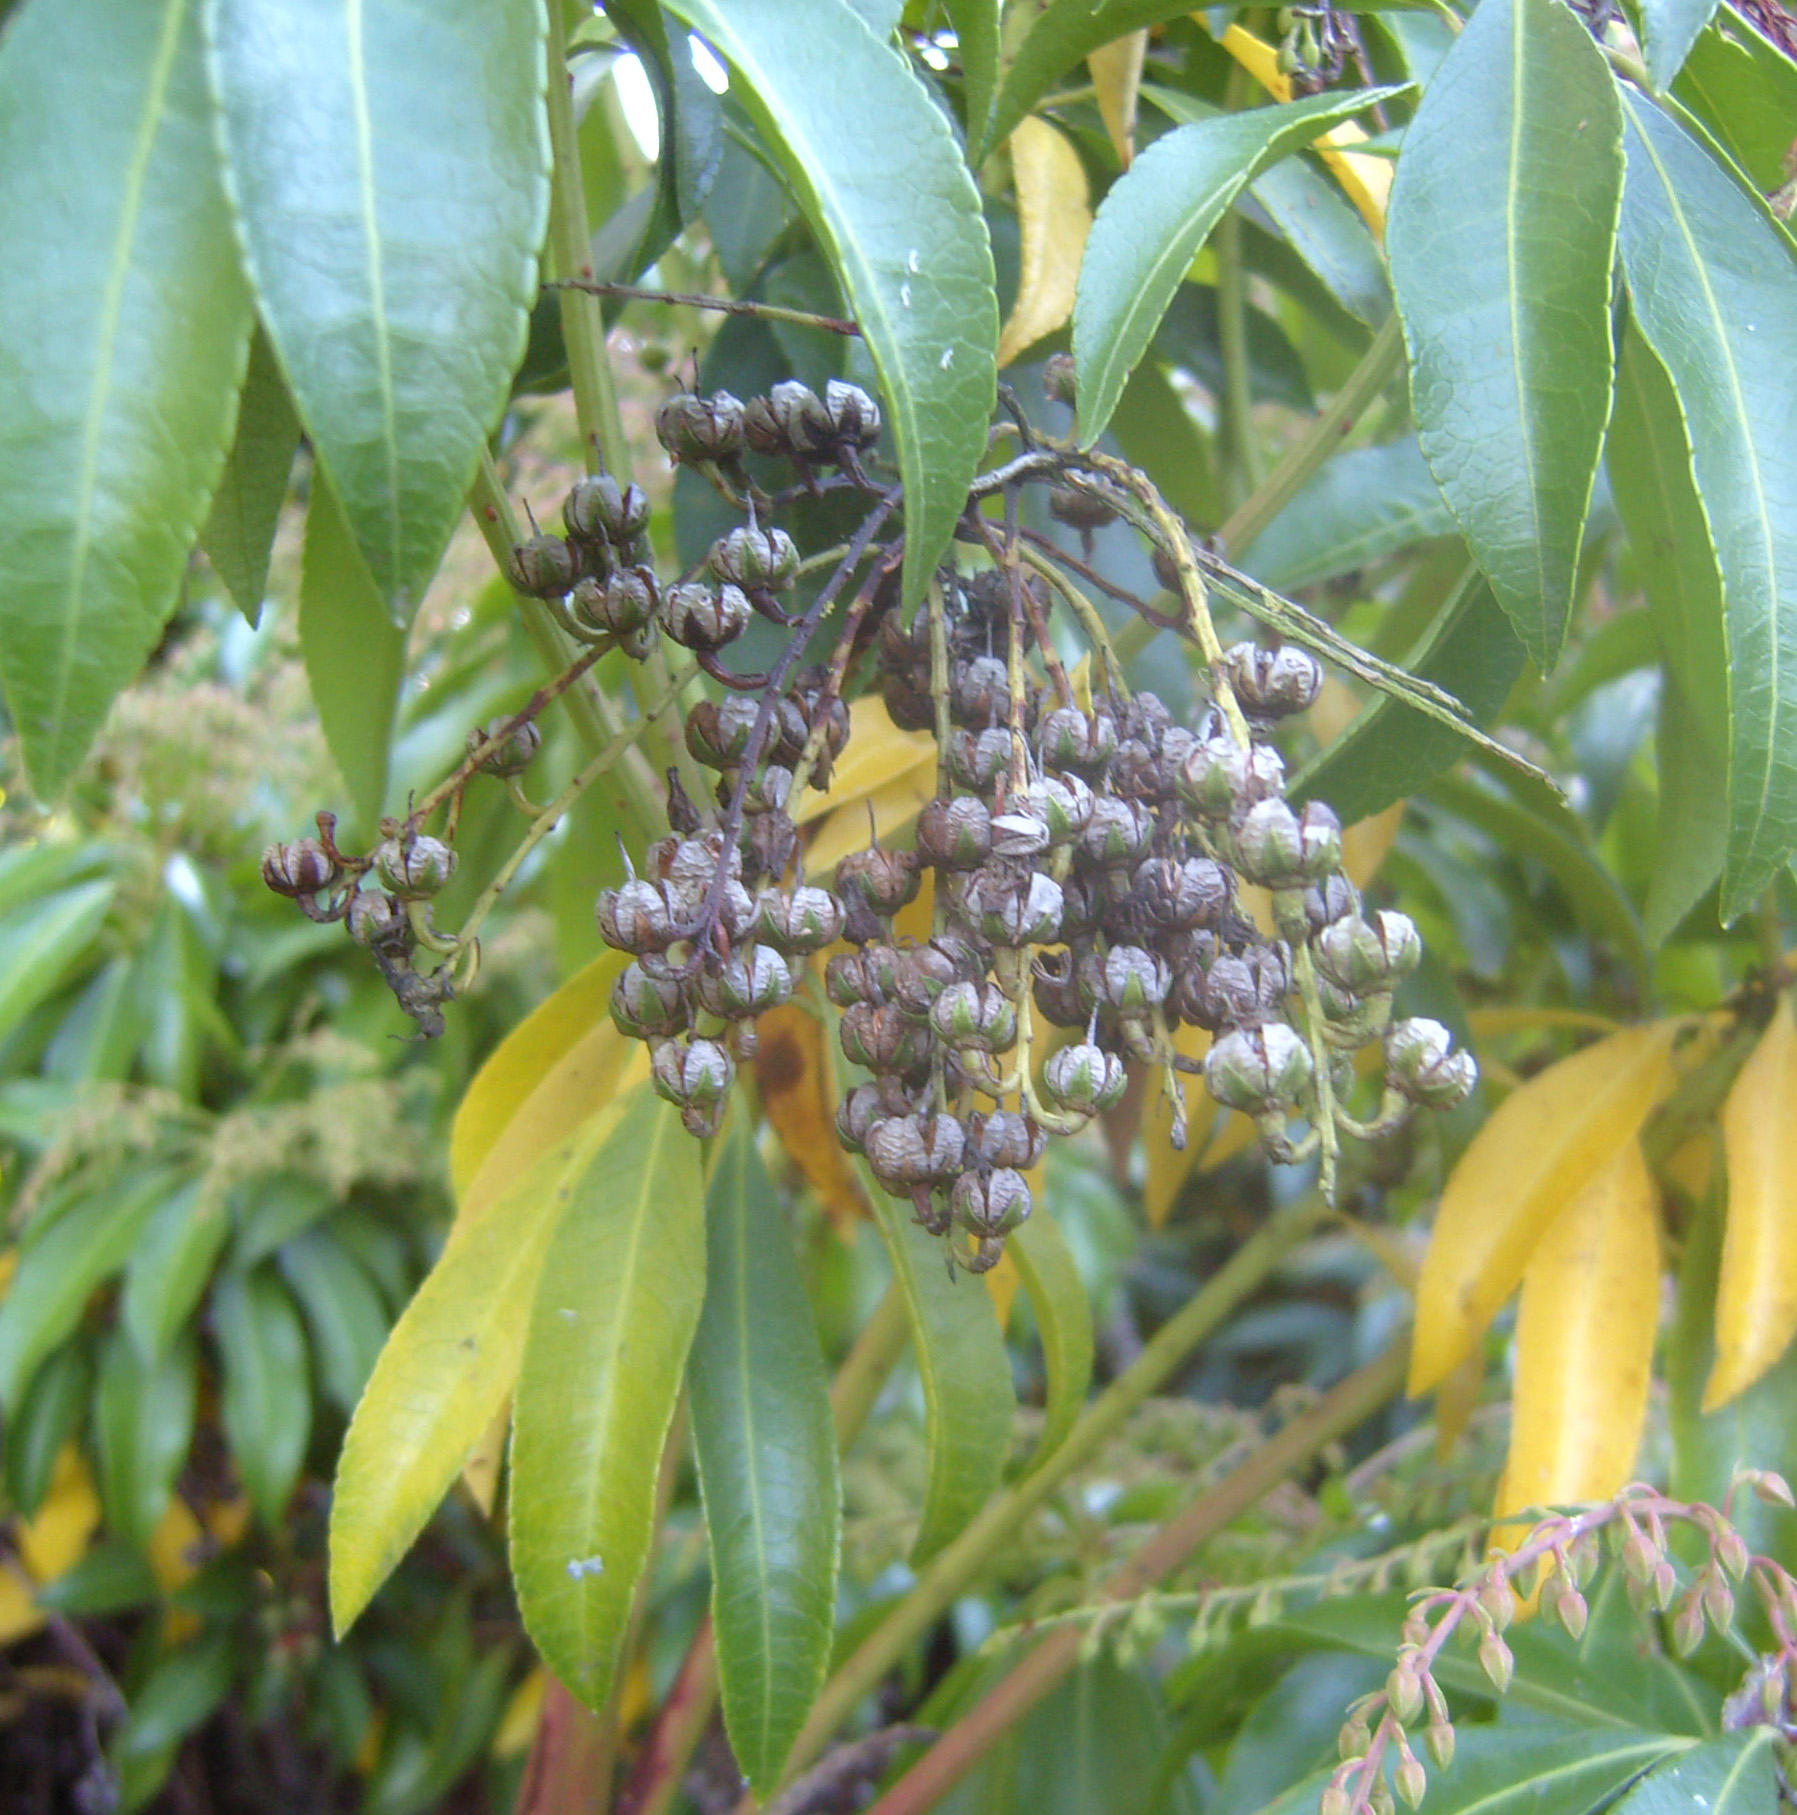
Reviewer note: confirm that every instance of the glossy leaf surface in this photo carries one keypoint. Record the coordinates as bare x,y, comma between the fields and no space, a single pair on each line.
391,189
766,1446
239,530
604,1353
1150,226
1502,235
1713,286
1539,1150
901,221
124,325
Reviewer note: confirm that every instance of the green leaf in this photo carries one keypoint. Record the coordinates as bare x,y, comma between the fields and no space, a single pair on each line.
766,1445
1671,28
343,1311
1158,213
975,24
46,1420
604,1355
1649,462
124,325
1546,1770
1155,430
1745,92
85,1245
968,1397
1713,286
1732,1775
168,1269
1067,32
177,1696
391,188
1063,1316
354,653
899,216
1690,836
239,530
1549,832
265,1401
1363,504
112,1578
143,1417
39,944
1318,224
444,1373
1390,751
1501,238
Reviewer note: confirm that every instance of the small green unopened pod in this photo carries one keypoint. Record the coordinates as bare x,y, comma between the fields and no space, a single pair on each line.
1420,1063
706,617
755,558
992,1203
1084,1079
700,428
599,509
542,567
975,1017
515,751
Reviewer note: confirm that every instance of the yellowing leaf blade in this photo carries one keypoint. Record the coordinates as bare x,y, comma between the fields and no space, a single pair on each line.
1536,1154
1756,1293
797,1080
1054,211
444,1373
1584,1343
1116,70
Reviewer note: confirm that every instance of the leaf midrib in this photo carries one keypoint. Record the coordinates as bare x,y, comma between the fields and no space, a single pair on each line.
1676,213
111,314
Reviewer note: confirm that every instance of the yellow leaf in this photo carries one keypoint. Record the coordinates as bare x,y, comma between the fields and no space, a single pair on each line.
798,1094
1493,1023
521,1061
1456,1399
1116,70
597,1069
1365,178
518,1724
894,803
877,754
1756,1291
1003,1280
1054,211
447,1367
55,1540
1538,1151
480,1473
1584,1343
1691,1165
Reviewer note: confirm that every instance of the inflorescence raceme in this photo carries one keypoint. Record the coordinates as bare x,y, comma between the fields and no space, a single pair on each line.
1088,853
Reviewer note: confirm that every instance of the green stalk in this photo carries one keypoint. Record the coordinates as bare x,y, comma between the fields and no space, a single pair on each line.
1331,427
583,323
955,1567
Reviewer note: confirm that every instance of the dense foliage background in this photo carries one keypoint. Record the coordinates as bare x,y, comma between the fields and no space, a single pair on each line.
1463,342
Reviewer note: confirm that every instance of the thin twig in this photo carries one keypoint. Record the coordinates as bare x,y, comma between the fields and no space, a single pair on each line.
723,305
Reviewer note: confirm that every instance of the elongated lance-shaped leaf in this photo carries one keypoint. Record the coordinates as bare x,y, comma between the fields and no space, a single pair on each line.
1502,237
124,326
976,24
265,1401
40,943
446,1370
968,1396
604,1354
1732,1774
1584,1343
900,218
391,189
1542,1146
1063,1316
1055,215
1713,288
1672,27
354,653
239,529
143,1418
1152,223
766,1446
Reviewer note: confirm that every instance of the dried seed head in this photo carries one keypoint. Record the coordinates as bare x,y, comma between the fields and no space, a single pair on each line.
800,923
1272,683
1118,833
1183,893
884,879
854,416
1084,1079
376,919
921,973
694,428
1280,849
1070,739
304,867
755,559
622,605
866,1105
1013,909
1005,1137
599,509
883,1038
634,917
692,1072
1219,778
647,1007
979,759
514,753
1421,1066
1063,803
909,1150
1133,979
1372,954
1259,1070
748,983
979,691
867,975
701,617
954,833
414,869
1244,990
542,567
1079,507
990,1204
975,1017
